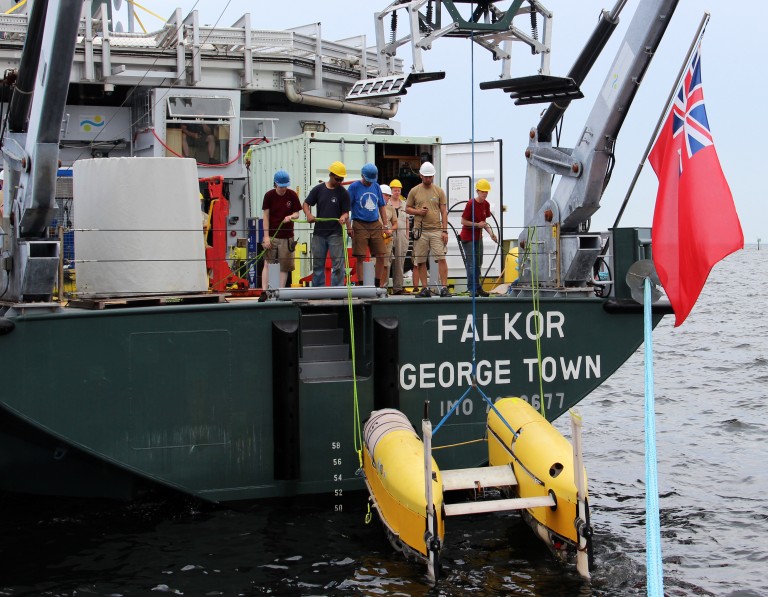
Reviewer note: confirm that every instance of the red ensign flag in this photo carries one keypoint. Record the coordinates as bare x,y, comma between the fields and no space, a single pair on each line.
695,224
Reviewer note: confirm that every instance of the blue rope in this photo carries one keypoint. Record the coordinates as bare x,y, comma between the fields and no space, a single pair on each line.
652,525
490,404
498,414
476,278
451,411
472,139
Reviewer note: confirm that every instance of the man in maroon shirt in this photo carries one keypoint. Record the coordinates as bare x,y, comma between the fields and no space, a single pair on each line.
473,222
280,208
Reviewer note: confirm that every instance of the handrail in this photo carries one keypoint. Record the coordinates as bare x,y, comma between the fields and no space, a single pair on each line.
180,46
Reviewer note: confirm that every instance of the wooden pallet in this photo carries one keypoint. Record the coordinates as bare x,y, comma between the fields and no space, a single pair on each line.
145,301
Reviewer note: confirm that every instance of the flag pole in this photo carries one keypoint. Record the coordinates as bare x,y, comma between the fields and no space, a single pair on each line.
660,123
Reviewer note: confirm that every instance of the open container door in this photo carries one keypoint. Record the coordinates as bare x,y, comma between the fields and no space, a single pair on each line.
458,161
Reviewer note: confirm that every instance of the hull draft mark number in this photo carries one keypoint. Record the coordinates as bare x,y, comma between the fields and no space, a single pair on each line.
338,492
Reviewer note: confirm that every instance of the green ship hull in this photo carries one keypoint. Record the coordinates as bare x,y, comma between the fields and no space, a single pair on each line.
226,401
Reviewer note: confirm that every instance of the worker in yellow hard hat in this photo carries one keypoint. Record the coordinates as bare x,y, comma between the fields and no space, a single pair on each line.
339,170
400,238
389,236
474,219
331,200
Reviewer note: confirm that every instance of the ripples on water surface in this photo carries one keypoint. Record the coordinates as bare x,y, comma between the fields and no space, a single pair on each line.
710,380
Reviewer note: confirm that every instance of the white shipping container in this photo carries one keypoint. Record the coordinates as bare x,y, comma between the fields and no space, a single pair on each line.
307,157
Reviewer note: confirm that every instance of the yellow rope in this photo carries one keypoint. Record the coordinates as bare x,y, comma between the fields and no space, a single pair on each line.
137,5
357,428
472,441
135,14
15,7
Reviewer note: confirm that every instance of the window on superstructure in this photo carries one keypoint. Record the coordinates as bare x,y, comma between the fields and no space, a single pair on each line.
199,127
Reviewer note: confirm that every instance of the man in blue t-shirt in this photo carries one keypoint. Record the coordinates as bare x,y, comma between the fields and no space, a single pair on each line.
369,221
331,200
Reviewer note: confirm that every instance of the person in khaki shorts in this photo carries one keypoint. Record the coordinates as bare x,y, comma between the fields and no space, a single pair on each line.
369,221
280,208
400,236
389,245
429,206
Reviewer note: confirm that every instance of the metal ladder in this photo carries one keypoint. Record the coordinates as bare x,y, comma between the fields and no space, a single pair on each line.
324,353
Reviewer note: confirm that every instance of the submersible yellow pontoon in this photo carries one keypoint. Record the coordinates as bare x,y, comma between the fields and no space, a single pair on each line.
534,466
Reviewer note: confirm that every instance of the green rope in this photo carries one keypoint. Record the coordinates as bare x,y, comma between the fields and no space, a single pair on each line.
249,262
357,429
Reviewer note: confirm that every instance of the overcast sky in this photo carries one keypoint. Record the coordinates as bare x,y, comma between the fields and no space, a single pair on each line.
733,43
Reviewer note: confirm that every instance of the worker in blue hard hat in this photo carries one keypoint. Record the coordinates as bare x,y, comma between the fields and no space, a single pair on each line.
369,221
280,208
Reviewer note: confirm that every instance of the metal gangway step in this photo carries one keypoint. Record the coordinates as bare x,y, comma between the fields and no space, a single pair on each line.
483,478
325,355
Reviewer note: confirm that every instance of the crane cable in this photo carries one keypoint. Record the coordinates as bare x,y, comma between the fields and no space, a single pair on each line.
475,282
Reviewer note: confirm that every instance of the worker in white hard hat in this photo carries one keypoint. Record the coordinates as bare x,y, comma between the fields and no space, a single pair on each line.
429,206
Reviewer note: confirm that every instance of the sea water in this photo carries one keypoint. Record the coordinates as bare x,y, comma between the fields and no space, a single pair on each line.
711,376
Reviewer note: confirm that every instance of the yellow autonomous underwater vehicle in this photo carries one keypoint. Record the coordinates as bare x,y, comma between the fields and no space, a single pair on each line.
394,475
534,466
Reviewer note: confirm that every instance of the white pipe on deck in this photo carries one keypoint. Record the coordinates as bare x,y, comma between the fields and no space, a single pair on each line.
326,292
289,85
